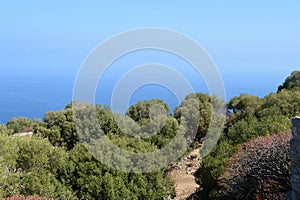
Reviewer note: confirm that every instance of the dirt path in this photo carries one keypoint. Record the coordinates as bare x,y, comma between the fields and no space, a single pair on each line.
183,174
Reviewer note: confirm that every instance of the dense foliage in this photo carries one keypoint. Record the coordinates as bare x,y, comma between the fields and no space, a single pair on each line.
92,180
19,124
291,81
60,167
205,111
59,128
249,117
31,166
54,162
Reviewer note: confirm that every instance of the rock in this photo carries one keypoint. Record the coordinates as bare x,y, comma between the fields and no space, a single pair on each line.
194,156
189,164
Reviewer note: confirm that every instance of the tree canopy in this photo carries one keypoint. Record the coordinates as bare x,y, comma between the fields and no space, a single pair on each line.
291,82
249,117
55,162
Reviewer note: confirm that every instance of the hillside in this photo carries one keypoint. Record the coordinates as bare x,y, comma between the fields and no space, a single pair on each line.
55,163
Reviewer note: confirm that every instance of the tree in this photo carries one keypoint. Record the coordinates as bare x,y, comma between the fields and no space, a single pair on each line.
142,109
18,124
291,81
93,180
243,106
254,119
4,131
288,101
165,135
59,128
31,166
195,112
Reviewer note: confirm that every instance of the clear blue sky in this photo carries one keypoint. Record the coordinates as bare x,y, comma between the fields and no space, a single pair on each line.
252,42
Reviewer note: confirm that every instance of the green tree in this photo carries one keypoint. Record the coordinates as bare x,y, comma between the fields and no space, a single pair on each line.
18,124
251,117
288,101
142,109
199,112
291,81
4,131
30,166
243,106
59,128
166,134
93,180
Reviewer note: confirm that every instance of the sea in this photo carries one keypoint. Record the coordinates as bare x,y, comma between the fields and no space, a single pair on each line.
33,95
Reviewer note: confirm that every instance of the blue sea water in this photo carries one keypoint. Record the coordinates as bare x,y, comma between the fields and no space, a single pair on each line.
32,96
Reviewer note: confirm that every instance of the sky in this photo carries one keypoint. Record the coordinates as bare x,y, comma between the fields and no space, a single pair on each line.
255,44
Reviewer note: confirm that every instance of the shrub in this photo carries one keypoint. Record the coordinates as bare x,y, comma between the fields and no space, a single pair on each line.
259,170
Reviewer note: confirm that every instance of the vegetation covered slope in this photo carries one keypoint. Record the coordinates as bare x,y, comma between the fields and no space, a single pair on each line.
250,117
55,164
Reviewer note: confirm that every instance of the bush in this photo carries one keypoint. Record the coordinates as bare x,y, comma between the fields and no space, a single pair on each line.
259,170
18,124
242,131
